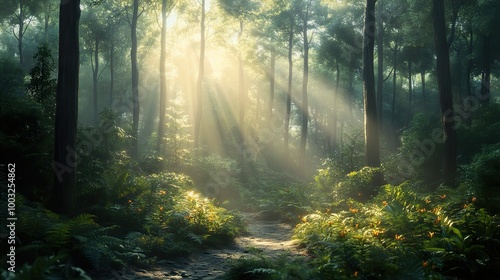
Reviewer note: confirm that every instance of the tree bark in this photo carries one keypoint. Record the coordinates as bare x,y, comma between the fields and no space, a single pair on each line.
241,89
424,96
486,72
305,101
135,82
380,66
95,77
410,88
394,86
111,71
372,150
445,92
289,92
163,77
199,83
272,82
63,200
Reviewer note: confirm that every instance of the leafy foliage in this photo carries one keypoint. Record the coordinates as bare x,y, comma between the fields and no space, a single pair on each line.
422,236
280,267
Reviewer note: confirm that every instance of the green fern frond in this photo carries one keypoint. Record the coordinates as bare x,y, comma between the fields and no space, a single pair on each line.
262,271
58,235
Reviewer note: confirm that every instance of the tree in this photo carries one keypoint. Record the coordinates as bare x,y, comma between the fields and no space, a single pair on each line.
372,149
166,7
41,85
444,89
135,79
285,21
199,82
95,34
65,158
309,13
23,17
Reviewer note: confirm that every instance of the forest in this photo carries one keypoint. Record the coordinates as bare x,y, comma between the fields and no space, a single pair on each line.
247,139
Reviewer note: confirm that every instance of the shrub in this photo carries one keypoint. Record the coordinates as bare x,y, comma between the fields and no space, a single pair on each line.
402,234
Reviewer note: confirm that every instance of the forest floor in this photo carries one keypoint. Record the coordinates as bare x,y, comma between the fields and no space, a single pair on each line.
270,238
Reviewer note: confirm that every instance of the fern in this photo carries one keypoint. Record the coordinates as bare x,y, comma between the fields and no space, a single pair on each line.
262,271
99,248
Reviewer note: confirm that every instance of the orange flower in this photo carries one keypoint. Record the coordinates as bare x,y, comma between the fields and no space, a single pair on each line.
343,233
425,263
431,234
427,201
384,203
129,201
399,237
422,210
355,274
443,196
474,199
353,210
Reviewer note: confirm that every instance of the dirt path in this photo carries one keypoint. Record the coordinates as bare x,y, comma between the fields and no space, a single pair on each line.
271,238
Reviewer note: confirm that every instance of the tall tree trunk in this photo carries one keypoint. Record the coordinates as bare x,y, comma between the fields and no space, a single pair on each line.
135,81
272,82
289,92
199,83
111,71
20,32
486,72
394,86
380,66
424,96
46,18
372,150
445,93
95,77
332,119
241,89
65,158
305,101
410,88
242,101
163,77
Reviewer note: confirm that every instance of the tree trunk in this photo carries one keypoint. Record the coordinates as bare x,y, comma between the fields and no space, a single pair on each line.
486,73
305,101
20,33
111,72
445,93
272,82
199,83
394,80
380,66
95,77
135,82
424,97
65,158
410,89
163,77
289,92
372,150
241,89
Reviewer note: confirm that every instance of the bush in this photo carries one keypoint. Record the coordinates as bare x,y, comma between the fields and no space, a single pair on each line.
260,267
402,234
481,176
